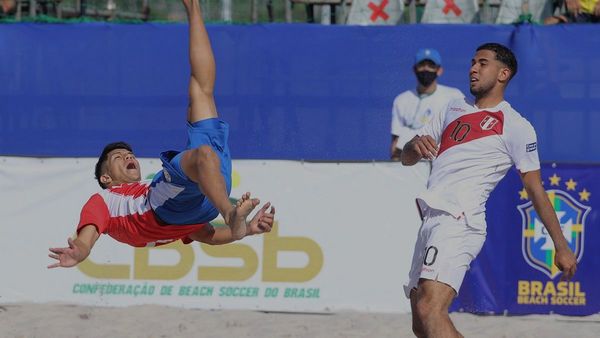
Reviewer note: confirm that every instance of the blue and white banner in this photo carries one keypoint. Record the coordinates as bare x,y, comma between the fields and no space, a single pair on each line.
515,272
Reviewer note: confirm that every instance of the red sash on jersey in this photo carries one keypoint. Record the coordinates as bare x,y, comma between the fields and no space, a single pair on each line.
471,127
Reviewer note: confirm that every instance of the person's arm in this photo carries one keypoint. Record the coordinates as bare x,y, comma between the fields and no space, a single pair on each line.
202,62
425,143
394,151
213,235
417,148
401,133
564,258
77,251
261,222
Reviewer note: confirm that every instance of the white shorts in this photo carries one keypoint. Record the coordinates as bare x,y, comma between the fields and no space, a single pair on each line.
445,248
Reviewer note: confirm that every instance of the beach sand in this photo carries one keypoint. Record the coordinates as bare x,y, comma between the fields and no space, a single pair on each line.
63,320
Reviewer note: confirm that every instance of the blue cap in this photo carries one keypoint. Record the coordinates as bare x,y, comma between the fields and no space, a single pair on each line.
428,54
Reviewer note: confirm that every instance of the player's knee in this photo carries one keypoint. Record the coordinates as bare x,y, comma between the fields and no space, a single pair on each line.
204,155
422,309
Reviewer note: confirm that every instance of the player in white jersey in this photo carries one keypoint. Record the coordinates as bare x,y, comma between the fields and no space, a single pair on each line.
472,146
412,109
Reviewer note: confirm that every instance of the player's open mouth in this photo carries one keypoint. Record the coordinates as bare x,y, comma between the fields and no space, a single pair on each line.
131,166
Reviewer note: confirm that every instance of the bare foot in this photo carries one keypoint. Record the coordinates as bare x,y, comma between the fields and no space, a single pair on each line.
237,218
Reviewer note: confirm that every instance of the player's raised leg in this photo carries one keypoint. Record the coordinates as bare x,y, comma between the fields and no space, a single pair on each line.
202,80
202,164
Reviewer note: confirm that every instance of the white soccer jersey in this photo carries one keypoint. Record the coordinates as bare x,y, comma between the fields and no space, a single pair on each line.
411,112
477,147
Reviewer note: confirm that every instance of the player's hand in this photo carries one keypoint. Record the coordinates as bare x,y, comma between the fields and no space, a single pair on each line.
66,257
574,6
565,260
597,9
425,146
262,221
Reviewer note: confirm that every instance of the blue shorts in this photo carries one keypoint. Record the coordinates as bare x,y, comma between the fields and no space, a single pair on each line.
173,196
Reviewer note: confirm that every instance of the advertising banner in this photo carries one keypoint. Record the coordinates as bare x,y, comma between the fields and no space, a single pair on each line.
369,12
515,272
343,240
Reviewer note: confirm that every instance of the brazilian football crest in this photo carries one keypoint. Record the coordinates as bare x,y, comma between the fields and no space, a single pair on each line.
538,248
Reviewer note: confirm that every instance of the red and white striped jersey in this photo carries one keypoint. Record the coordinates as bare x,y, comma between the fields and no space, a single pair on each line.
124,213
476,149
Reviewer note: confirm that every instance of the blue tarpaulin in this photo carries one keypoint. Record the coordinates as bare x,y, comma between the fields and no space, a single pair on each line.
288,91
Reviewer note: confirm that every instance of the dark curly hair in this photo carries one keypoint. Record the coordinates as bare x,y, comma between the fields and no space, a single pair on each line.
503,54
104,157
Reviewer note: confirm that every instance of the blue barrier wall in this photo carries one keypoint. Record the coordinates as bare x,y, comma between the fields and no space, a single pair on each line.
288,91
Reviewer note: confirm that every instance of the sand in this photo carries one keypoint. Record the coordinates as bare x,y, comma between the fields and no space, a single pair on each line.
62,320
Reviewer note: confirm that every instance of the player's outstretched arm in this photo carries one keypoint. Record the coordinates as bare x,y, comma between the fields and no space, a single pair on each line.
564,258
202,80
417,148
261,222
77,251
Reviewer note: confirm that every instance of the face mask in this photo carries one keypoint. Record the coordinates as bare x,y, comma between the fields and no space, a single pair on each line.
426,78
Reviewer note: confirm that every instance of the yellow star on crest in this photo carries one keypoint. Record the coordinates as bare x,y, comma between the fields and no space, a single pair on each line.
523,194
554,180
571,184
584,195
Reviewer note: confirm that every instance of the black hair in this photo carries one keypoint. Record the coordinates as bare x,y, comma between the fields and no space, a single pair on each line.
104,157
504,55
